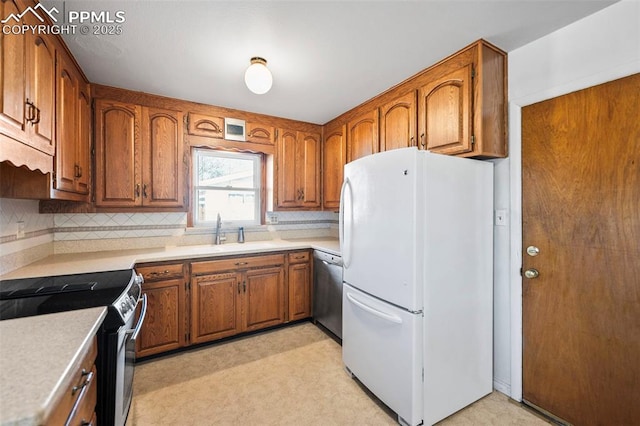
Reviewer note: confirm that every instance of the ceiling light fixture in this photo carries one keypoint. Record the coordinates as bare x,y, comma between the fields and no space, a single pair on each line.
258,77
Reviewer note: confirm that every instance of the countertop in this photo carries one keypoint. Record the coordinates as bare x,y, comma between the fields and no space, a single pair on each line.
37,357
76,263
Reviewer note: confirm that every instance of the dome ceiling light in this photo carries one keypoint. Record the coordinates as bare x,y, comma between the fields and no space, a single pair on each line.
258,77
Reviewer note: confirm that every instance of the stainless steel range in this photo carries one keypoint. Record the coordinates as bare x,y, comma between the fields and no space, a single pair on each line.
120,291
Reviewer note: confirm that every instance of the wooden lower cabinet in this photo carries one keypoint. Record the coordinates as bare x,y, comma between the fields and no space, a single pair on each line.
215,306
78,402
234,295
299,281
223,297
164,326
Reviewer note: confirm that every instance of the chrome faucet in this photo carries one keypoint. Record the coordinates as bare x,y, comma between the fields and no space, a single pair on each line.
219,239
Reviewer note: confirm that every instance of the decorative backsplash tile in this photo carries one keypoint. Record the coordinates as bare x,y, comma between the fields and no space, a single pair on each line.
13,212
78,232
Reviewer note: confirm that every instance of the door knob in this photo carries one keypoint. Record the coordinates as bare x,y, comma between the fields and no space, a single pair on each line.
533,251
531,273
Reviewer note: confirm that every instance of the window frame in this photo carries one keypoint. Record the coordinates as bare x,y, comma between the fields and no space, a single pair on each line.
259,177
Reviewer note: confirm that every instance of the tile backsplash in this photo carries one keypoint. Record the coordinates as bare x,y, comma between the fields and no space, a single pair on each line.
45,234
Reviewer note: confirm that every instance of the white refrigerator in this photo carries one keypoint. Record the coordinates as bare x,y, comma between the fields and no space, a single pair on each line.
416,234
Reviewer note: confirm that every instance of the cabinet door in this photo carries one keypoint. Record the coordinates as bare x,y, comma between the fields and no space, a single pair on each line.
334,157
83,146
363,136
164,325
162,165
215,307
205,125
264,303
67,119
117,143
260,133
41,61
445,113
13,81
287,190
398,123
308,169
299,291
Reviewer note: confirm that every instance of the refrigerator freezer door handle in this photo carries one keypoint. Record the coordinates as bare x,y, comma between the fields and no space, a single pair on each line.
344,249
385,316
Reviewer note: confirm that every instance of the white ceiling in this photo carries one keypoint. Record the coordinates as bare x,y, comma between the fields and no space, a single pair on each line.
326,56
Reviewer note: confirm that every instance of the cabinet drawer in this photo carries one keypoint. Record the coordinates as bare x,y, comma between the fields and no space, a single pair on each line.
82,386
299,257
237,263
160,272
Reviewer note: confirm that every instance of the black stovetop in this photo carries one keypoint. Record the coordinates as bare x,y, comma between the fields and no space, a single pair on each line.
42,295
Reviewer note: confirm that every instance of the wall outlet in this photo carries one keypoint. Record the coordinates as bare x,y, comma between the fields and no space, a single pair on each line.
20,230
272,219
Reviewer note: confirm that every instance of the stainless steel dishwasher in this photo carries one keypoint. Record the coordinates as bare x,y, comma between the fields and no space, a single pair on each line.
327,291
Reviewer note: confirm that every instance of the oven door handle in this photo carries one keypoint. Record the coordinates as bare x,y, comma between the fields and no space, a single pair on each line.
135,331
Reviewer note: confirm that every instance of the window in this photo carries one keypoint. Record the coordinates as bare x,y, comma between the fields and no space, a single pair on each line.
227,183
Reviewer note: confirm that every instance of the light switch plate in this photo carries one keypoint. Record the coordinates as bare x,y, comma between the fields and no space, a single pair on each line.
501,217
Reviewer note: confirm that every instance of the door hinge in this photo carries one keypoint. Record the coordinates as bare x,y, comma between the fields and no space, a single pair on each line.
520,271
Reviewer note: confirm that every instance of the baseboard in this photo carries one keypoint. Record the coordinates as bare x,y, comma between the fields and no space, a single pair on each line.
503,387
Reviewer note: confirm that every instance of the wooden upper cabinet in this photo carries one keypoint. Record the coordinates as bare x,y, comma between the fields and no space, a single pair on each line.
363,135
139,156
41,59
398,122
445,119
334,157
462,104
73,133
14,80
260,133
309,176
117,143
27,91
297,170
162,161
205,125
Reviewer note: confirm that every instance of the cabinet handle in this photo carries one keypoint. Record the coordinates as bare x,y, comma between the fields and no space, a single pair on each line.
244,286
137,190
144,190
422,140
37,119
241,263
155,274
77,171
30,110
412,141
239,287
298,257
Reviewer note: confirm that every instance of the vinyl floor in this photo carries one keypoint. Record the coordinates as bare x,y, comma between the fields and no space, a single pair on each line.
288,376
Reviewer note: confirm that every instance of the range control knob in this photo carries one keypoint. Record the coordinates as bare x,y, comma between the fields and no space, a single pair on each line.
123,308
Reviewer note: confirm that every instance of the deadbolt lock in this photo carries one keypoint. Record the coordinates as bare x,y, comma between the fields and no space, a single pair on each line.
531,273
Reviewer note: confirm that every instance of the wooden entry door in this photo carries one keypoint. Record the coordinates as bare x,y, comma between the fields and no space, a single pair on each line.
581,209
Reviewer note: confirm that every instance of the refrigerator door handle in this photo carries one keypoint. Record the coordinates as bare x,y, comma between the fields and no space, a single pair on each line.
385,316
344,249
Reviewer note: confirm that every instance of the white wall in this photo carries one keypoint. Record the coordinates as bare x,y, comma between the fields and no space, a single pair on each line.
599,48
